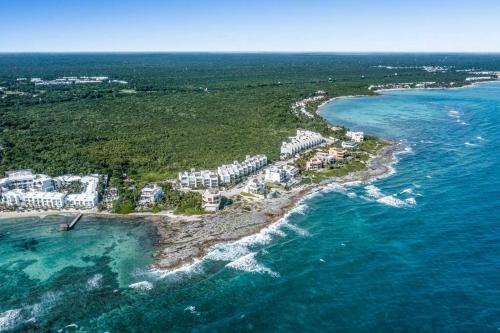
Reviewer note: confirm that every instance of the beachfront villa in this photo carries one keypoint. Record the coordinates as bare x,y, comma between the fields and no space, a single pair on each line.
150,194
301,141
211,199
198,179
255,186
275,174
355,136
337,153
314,164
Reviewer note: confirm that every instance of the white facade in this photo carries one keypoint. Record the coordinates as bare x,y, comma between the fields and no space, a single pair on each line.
151,193
255,186
196,179
291,171
211,200
51,200
348,145
302,141
225,174
13,198
39,191
355,136
81,200
34,199
231,172
276,174
89,197
20,179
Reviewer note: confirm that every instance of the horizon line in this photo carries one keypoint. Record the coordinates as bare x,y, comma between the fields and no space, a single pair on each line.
251,52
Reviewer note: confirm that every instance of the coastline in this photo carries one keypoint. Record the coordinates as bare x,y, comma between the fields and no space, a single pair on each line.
185,239
182,239
182,244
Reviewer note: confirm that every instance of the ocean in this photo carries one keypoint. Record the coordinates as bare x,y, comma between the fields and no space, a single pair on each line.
415,251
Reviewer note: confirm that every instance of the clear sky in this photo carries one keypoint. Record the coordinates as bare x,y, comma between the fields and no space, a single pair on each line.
250,25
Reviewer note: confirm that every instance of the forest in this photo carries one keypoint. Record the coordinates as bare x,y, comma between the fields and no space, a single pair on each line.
179,111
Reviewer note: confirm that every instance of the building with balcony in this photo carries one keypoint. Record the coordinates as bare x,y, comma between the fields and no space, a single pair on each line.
211,199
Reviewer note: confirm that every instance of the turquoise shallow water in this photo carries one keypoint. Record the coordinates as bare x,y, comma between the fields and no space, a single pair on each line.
418,251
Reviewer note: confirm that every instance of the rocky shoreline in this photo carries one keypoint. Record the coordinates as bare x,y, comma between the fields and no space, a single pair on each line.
182,241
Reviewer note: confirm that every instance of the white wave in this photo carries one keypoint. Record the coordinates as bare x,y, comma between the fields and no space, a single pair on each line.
322,260
480,138
334,187
391,201
94,282
462,122
196,267
467,143
142,285
373,191
48,301
454,114
191,309
248,263
73,325
299,231
300,209
408,190
411,201
351,195
353,183
9,319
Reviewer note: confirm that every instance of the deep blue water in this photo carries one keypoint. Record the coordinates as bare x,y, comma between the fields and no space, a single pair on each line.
418,251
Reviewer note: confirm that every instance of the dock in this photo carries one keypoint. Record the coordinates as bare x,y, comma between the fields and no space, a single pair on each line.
69,226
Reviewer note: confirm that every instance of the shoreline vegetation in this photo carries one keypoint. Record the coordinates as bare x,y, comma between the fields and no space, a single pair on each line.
184,237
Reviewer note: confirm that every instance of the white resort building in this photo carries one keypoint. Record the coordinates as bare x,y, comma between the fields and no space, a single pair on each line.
197,179
231,172
255,186
25,179
302,141
355,136
89,197
275,174
211,200
50,200
225,174
22,188
280,174
151,193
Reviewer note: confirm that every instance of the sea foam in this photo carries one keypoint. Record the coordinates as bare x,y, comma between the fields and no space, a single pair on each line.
9,319
94,282
142,285
248,263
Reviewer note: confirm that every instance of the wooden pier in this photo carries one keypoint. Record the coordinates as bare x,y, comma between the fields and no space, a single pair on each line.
69,226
